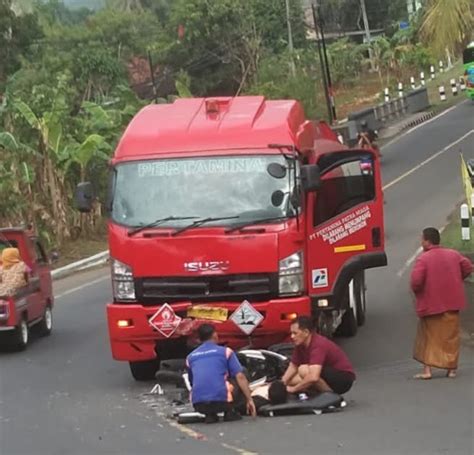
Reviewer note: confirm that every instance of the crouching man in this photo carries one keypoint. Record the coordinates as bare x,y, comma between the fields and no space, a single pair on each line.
317,364
209,368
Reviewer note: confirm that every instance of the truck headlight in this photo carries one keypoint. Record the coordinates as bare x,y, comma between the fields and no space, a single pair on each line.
123,286
291,274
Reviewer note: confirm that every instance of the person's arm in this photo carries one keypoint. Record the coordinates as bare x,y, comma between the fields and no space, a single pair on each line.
311,378
244,386
235,370
418,276
289,373
466,267
190,372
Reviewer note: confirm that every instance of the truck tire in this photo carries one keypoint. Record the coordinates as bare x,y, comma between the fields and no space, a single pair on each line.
145,370
348,326
21,335
45,326
360,298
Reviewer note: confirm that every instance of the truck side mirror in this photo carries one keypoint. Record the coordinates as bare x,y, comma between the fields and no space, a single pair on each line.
310,177
84,197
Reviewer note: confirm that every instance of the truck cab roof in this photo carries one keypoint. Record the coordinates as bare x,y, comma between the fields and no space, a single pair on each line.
194,125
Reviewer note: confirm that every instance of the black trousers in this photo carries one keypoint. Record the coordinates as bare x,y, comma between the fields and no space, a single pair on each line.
339,381
213,407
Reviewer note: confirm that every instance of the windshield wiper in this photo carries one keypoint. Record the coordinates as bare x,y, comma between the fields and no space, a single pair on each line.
198,223
252,222
157,222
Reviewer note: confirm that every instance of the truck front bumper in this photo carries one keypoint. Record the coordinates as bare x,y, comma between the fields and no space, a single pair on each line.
136,340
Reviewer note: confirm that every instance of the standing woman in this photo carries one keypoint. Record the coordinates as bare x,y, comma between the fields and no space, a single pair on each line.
14,272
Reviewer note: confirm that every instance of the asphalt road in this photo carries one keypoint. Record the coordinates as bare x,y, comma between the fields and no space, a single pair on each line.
66,396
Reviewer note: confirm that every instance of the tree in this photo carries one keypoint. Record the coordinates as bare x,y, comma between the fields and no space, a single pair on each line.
16,35
125,5
345,15
447,25
223,41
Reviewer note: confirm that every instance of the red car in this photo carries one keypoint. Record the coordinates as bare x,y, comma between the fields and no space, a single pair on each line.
33,304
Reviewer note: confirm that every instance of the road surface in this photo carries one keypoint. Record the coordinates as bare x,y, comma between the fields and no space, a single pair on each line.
65,395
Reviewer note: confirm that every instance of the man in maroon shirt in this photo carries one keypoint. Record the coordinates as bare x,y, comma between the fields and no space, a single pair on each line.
317,363
437,281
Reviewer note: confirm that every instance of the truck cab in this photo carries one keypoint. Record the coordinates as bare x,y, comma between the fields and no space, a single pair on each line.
238,211
32,305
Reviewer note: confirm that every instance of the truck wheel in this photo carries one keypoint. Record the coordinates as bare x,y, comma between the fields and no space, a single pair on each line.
360,298
46,325
144,371
325,324
348,327
21,335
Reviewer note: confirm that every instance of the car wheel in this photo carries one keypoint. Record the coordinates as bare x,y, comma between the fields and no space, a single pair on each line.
21,335
45,327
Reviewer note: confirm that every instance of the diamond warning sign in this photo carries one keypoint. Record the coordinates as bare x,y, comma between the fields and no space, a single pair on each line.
246,317
165,320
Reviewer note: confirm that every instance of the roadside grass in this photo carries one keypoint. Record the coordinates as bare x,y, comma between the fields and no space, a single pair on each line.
444,79
451,238
72,251
366,90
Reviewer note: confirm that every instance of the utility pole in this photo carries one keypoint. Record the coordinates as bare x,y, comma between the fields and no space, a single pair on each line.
326,63
367,33
290,38
324,72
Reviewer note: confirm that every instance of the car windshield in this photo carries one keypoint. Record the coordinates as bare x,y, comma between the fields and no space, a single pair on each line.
223,186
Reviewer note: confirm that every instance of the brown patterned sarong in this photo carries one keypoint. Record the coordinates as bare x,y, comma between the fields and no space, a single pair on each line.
438,340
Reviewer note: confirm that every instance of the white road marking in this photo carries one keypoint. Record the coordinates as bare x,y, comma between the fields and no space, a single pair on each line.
411,130
412,259
82,286
409,262
425,162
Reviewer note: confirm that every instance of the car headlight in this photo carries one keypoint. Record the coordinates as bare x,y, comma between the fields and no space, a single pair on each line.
291,280
123,285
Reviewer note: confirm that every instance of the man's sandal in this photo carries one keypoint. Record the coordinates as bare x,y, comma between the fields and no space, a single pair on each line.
422,376
451,374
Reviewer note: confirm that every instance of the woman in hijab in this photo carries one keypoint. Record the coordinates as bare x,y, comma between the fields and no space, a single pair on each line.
14,272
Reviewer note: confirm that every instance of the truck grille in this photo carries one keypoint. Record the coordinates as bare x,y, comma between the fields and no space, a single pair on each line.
231,288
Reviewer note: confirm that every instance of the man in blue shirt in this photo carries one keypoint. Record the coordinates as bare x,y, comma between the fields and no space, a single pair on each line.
210,367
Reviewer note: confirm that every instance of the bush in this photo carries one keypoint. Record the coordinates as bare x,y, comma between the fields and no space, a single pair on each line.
346,60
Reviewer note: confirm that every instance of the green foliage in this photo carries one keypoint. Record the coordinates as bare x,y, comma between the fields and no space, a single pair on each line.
67,79
17,33
274,82
346,59
447,25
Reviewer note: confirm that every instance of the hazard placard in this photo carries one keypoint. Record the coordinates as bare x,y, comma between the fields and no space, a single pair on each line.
246,317
165,320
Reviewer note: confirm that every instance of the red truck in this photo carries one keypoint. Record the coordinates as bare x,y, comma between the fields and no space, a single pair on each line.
32,305
239,211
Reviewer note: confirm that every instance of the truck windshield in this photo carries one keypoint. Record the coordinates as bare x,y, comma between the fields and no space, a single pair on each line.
223,186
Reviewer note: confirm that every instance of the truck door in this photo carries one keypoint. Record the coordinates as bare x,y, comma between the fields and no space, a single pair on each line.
345,224
42,269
